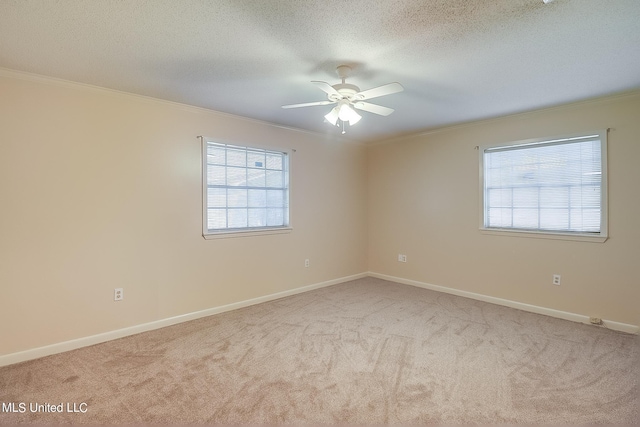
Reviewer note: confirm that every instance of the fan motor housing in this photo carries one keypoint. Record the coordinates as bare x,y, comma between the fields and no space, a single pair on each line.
346,90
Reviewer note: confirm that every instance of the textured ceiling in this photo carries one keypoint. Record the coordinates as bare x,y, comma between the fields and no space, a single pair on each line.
459,60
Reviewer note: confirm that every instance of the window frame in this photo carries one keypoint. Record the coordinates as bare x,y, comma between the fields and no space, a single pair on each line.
246,231
598,237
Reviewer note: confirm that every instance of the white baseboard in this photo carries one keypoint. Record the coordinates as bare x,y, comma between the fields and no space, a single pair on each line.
610,324
22,356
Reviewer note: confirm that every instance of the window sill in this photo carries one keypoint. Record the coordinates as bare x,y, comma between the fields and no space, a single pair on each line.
544,235
246,233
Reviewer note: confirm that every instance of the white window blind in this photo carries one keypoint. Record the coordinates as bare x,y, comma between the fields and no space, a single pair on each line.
247,188
546,186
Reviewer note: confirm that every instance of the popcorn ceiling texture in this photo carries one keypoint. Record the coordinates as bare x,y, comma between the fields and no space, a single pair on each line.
363,352
459,60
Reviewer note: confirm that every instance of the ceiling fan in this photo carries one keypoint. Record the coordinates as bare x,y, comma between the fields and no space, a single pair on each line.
349,97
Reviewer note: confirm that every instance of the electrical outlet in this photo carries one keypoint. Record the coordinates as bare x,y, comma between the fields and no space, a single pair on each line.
556,279
118,294
306,262
402,258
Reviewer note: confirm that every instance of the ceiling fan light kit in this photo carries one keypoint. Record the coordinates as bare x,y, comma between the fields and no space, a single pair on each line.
349,97
343,112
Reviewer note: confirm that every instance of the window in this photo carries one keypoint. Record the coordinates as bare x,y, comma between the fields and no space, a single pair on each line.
245,190
550,188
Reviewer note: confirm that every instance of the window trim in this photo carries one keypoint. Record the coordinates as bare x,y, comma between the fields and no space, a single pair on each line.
600,237
239,232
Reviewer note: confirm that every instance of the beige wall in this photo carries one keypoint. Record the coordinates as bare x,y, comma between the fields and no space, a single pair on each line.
423,201
102,190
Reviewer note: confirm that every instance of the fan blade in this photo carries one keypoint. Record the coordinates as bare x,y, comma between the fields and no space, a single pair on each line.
373,108
383,90
327,88
309,104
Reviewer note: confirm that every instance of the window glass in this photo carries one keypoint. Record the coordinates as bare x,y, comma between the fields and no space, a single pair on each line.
246,188
546,186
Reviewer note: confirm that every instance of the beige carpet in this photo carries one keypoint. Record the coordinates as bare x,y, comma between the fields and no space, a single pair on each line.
362,352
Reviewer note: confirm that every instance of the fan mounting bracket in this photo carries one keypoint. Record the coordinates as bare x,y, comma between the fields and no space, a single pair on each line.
343,71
